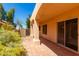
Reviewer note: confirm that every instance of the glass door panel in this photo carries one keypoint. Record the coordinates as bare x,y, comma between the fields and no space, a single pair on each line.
60,37
71,34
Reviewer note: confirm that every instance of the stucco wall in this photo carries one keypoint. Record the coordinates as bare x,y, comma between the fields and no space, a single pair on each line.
51,30
52,24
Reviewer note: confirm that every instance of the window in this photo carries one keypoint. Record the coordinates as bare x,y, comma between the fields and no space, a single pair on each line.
39,28
44,29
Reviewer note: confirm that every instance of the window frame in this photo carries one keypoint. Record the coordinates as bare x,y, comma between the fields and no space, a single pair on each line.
44,29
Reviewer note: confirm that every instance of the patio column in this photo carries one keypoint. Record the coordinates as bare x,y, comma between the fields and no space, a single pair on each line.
34,25
35,32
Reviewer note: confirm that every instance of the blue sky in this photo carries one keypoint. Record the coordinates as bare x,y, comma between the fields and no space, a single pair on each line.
22,10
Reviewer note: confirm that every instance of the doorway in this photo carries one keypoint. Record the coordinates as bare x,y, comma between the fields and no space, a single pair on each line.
61,33
69,36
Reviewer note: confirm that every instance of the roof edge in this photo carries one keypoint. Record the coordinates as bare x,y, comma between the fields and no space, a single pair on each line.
37,6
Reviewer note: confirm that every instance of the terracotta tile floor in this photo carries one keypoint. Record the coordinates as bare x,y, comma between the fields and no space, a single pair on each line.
46,48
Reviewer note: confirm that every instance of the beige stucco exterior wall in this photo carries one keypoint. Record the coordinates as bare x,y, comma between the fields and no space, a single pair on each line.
34,29
51,30
52,24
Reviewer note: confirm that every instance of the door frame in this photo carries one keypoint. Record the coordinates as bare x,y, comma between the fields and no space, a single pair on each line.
58,33
65,36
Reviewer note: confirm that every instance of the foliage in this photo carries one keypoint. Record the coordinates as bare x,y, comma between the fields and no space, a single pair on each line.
10,15
7,16
10,41
7,26
2,12
10,51
10,44
9,37
28,22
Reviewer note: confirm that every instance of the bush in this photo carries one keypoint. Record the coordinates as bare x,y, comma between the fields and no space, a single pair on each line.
10,51
10,44
7,26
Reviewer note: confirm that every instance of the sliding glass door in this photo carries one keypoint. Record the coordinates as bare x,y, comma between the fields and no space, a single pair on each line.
61,33
69,36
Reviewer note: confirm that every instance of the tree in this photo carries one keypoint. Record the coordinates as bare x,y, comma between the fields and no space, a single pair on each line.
28,22
2,13
10,16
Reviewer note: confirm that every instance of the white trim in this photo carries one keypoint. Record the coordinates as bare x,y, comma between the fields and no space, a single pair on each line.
35,11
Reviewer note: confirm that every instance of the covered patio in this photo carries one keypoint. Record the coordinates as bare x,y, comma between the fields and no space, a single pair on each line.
58,23
46,48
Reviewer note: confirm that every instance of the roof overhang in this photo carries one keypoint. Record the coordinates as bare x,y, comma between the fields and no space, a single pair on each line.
35,11
50,10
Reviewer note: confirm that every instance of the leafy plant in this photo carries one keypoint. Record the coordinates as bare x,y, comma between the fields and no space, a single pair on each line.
10,41
10,15
7,26
10,44
2,13
10,51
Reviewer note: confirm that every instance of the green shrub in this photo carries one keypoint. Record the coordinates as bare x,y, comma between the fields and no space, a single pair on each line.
10,51
7,26
10,44
9,37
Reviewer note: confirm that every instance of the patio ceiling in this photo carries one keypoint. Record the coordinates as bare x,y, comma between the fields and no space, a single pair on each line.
50,10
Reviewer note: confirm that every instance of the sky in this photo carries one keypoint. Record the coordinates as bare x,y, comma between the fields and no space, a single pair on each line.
22,11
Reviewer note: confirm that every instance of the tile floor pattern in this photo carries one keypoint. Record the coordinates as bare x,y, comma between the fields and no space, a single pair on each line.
46,48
